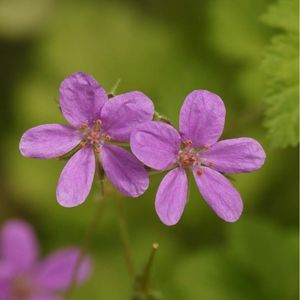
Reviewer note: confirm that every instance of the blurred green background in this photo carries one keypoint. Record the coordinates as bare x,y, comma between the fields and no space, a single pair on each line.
246,51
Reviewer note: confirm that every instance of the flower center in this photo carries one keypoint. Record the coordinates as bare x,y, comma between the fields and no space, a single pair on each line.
94,135
190,157
187,156
21,288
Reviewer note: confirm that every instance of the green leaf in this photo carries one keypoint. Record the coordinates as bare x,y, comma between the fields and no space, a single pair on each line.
280,67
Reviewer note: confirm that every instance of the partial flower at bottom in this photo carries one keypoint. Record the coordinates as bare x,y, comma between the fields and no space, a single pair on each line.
24,276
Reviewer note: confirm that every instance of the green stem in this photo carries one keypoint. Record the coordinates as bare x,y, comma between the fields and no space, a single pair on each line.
145,278
125,240
85,245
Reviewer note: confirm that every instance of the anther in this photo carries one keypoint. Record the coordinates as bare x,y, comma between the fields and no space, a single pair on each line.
107,138
98,122
210,164
206,146
84,126
199,172
187,142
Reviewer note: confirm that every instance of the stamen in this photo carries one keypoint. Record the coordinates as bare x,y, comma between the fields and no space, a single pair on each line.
82,144
107,138
84,125
187,142
97,150
98,122
210,164
206,146
199,172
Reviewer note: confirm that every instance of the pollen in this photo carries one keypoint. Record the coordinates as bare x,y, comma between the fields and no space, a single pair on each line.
187,142
107,138
199,172
206,146
84,125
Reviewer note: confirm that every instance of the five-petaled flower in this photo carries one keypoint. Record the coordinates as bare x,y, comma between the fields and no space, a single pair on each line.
24,277
196,148
97,123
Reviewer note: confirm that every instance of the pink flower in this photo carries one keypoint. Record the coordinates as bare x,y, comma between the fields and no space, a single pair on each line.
96,123
23,276
196,148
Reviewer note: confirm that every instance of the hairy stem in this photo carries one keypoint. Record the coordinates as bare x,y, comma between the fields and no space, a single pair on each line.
125,239
86,244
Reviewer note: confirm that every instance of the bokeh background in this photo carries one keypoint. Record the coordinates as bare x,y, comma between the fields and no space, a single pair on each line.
246,51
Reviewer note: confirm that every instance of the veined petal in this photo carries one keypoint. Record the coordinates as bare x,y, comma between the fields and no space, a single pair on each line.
125,172
235,155
76,179
219,194
156,144
171,196
49,141
19,248
55,272
81,99
122,113
202,118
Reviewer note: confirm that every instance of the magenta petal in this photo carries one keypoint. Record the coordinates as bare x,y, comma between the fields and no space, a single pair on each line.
6,274
81,99
235,155
49,141
171,196
125,172
76,179
202,118
55,272
18,247
220,194
45,297
156,144
122,113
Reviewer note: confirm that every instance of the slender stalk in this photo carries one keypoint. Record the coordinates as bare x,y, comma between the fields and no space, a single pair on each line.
86,244
145,278
125,240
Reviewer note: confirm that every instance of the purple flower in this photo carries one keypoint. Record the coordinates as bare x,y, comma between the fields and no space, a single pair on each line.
23,276
196,148
96,123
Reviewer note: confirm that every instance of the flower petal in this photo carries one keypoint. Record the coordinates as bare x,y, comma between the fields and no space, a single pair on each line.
122,113
6,275
202,118
81,99
156,144
56,271
220,194
45,297
125,172
19,247
76,179
235,155
171,196
49,141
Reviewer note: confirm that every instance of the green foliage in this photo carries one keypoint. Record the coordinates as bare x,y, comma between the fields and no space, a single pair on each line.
258,262
280,66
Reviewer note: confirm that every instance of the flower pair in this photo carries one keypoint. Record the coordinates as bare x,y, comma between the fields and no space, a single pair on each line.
98,123
23,276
